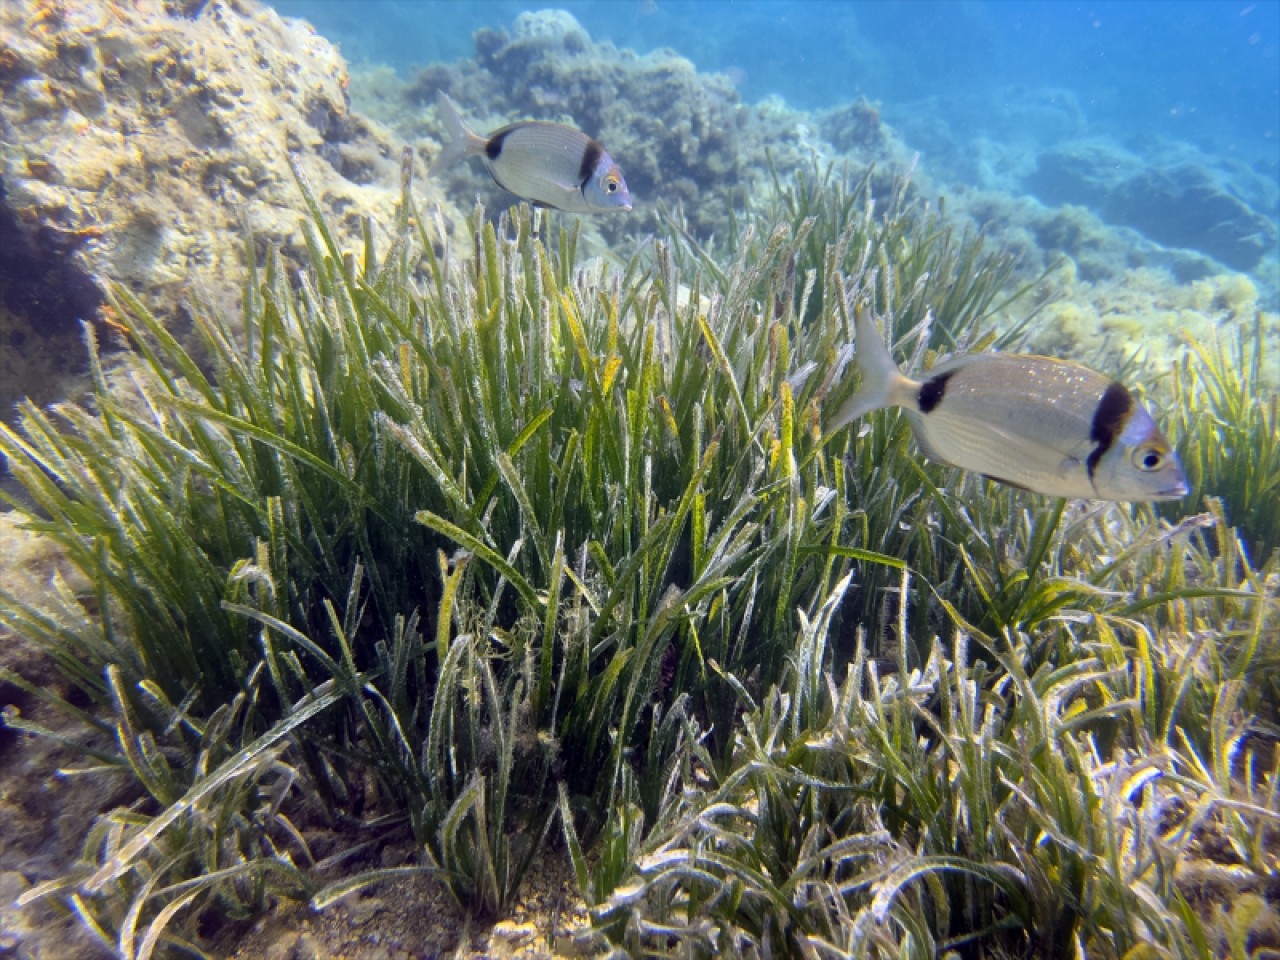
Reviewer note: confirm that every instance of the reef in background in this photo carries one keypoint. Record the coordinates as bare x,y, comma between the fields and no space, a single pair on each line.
1140,317
686,140
683,137
1180,202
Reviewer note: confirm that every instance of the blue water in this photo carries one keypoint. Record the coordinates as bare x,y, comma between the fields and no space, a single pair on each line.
1203,71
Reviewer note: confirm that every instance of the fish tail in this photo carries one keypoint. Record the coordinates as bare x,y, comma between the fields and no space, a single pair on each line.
462,141
883,385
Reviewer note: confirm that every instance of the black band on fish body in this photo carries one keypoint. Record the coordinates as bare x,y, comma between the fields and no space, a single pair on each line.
932,392
1109,419
591,154
493,146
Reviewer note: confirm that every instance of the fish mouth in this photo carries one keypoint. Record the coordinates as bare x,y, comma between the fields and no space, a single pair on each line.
1176,492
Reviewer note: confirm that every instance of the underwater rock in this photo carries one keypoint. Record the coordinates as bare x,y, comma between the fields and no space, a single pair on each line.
44,293
142,142
854,127
1046,113
1147,317
1187,206
1100,252
1082,172
988,139
1181,205
681,137
554,26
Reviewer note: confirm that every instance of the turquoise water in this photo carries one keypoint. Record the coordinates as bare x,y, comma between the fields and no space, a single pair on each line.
1203,71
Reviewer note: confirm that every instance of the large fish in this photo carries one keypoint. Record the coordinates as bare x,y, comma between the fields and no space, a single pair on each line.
1049,426
550,164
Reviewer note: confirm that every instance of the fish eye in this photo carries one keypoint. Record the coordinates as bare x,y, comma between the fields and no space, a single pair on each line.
611,184
1149,458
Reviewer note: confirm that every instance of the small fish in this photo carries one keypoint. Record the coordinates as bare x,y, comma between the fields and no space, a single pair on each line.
1048,426
545,163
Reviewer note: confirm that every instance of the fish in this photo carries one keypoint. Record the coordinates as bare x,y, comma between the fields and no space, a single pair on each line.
548,164
1045,425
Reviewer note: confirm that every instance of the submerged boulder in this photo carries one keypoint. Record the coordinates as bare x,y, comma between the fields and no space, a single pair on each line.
142,142
1183,204
1187,206
1082,172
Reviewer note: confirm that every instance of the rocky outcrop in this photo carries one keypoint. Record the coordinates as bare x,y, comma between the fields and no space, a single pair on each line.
141,142
1083,172
682,137
1183,204
1187,206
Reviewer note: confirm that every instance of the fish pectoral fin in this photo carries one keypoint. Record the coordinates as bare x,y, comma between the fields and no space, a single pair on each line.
922,441
571,200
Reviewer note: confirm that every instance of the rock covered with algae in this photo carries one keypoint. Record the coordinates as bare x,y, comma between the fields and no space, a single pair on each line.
1184,202
684,138
1141,317
140,141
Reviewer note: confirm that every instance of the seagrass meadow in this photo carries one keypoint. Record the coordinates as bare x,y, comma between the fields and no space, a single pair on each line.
471,540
